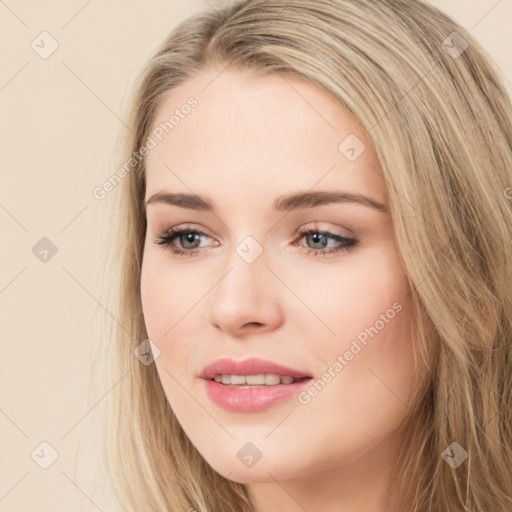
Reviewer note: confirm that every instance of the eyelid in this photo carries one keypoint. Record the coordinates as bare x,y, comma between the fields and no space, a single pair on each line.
187,226
316,226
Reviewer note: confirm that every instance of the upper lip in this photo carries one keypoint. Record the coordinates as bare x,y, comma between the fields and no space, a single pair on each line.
251,366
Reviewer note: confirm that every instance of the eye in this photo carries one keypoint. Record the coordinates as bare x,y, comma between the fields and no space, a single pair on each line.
187,236
189,239
320,239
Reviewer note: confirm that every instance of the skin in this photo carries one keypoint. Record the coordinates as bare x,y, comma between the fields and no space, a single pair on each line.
249,141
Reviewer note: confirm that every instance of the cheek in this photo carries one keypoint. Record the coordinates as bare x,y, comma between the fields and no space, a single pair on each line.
173,309
166,293
355,295
368,311
363,388
165,305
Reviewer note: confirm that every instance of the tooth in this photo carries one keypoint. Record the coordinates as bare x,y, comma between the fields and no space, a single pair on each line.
271,379
255,379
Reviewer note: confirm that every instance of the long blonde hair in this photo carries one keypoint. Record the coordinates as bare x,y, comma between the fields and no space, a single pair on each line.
436,109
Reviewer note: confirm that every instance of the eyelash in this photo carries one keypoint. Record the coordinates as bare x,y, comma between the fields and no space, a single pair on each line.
170,235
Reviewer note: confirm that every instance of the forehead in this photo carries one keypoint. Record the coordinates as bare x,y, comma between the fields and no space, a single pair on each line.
250,135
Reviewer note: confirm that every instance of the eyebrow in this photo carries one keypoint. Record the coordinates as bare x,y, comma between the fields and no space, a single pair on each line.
295,201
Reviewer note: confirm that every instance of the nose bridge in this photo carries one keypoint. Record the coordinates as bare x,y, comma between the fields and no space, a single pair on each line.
244,294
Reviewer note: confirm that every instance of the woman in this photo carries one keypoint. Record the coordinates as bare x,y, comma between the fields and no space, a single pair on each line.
312,240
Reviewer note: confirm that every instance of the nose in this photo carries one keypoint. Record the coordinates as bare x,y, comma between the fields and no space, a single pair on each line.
246,299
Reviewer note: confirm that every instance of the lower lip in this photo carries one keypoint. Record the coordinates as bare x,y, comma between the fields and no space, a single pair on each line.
251,399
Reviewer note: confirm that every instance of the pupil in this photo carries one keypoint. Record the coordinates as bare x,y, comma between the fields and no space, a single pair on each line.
316,237
189,237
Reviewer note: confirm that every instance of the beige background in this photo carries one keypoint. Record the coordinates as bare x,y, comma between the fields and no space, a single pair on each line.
59,119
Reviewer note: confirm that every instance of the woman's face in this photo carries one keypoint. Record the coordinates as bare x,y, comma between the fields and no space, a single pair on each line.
251,284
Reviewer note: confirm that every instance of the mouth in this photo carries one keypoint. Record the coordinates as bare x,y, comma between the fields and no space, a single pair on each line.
259,380
251,385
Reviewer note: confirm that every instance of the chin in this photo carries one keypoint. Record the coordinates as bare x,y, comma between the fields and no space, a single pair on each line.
248,475
261,471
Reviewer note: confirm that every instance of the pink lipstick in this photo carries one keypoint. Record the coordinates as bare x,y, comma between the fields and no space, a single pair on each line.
251,385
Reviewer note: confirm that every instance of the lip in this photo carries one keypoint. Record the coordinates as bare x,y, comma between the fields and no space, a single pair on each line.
251,366
255,398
